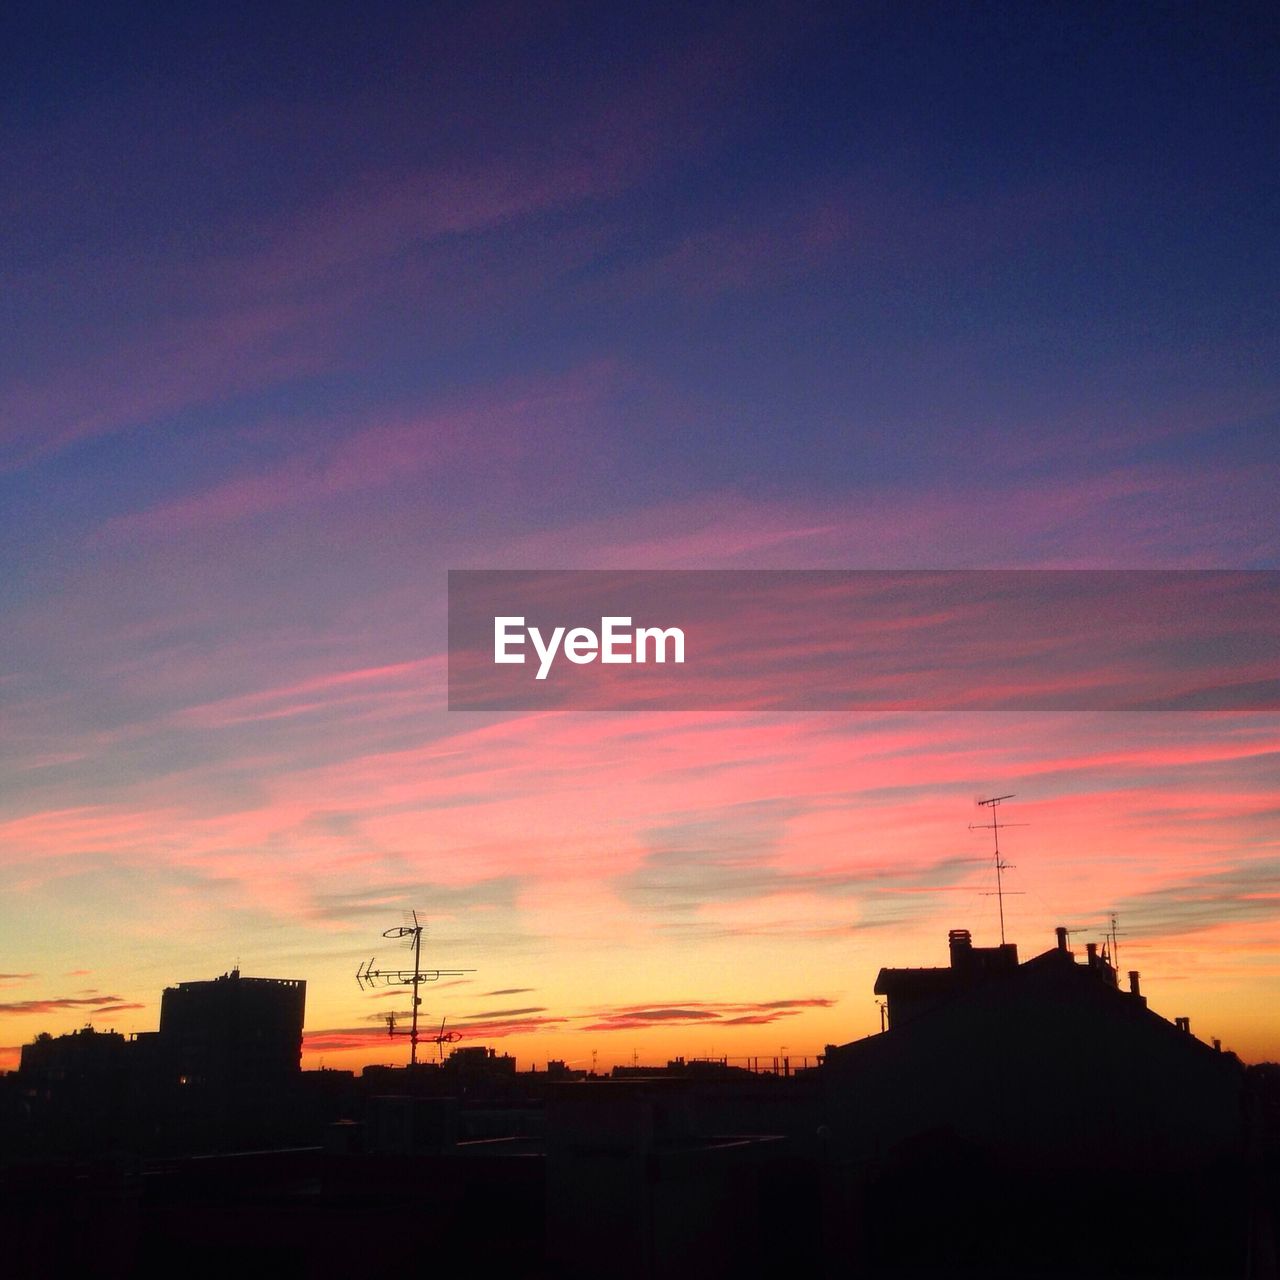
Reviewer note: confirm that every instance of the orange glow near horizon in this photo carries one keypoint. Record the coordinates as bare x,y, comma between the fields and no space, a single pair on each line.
670,884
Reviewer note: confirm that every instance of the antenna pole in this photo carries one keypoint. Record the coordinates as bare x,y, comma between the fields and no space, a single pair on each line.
1001,866
1112,933
417,981
995,831
367,977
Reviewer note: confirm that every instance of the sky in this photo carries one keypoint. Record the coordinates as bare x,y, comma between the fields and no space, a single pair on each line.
306,305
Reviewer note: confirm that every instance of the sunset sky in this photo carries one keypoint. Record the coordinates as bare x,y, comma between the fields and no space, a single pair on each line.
304,306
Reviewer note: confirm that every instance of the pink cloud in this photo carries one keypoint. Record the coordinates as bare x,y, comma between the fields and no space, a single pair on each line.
493,430
335,759
1128,518
197,359
682,1013
365,1038
323,691
862,808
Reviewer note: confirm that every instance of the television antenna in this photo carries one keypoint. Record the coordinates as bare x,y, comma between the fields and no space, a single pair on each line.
367,978
1112,933
995,826
443,1037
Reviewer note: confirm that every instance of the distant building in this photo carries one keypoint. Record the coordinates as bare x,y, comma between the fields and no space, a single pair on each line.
479,1060
75,1091
558,1069
82,1061
233,1032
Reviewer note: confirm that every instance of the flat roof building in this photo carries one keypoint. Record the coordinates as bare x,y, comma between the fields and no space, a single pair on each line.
233,1032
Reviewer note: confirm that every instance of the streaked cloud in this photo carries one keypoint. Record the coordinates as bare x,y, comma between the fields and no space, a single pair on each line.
733,1014
57,1004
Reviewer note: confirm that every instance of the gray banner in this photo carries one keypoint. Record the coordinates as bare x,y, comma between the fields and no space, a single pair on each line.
873,640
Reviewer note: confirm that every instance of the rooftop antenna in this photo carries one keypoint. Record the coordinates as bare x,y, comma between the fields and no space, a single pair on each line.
1112,933
443,1037
995,826
367,977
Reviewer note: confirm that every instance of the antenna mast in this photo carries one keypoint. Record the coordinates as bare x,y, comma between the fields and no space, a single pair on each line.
1114,933
995,826
367,977
443,1037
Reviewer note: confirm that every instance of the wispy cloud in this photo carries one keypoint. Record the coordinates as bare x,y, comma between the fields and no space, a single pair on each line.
273,301
1245,893
367,1038
501,1014
493,429
56,1004
680,1013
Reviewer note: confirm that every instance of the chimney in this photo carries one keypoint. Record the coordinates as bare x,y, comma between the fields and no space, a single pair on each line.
1183,1024
1062,938
960,942
1092,949
1134,988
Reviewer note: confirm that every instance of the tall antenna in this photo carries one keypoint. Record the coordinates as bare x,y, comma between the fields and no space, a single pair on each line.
1113,933
995,826
367,977
443,1037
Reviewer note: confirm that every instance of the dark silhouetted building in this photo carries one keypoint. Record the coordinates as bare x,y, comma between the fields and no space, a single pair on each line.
638,1186
1044,1088
478,1060
75,1091
911,992
233,1033
82,1060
